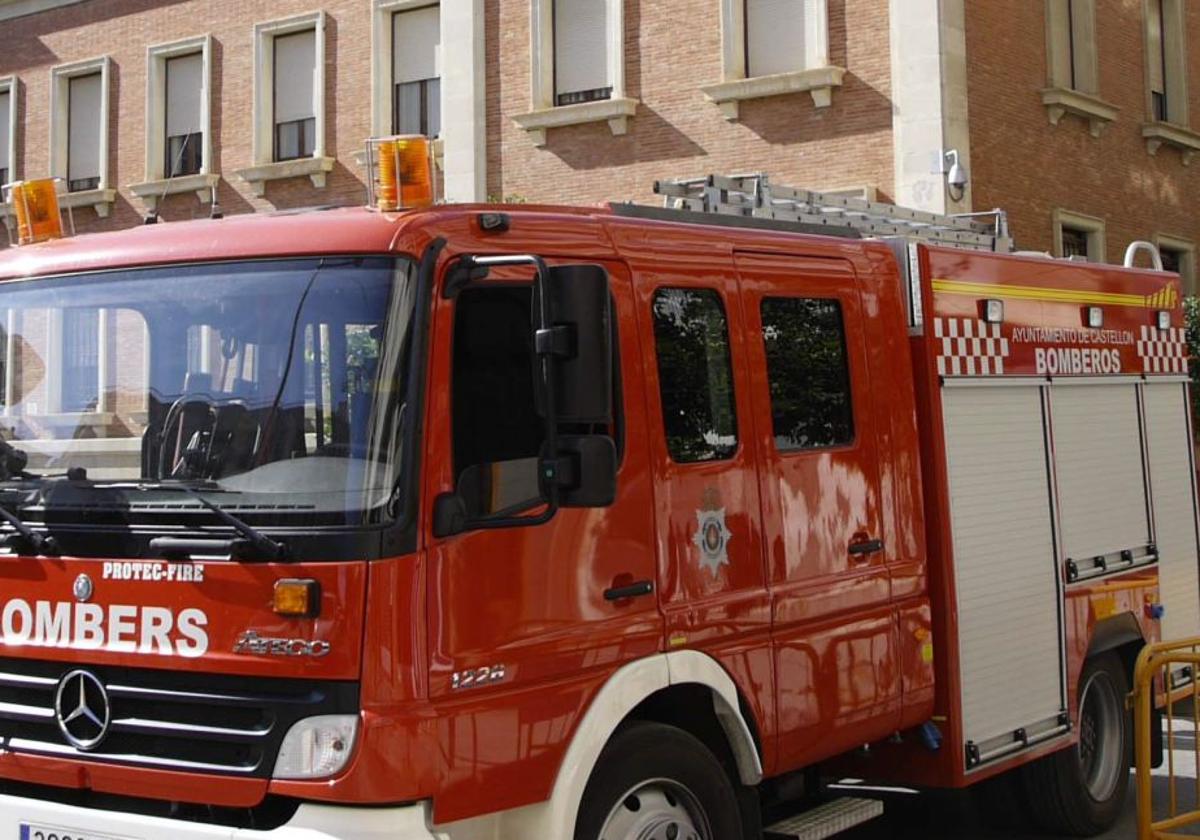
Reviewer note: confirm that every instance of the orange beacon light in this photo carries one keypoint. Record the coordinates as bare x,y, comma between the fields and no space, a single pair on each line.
36,206
405,177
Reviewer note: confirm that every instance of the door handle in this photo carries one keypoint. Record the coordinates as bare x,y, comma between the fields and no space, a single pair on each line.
632,590
862,548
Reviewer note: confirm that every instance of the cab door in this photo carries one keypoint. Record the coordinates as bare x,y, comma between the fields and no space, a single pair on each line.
525,623
712,583
814,404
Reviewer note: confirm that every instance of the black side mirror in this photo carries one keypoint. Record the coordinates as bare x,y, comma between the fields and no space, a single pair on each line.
587,470
580,337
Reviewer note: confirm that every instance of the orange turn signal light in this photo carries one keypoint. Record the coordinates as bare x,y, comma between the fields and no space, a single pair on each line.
36,207
405,173
297,597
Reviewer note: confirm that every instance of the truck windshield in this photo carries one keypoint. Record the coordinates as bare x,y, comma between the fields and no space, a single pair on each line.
277,385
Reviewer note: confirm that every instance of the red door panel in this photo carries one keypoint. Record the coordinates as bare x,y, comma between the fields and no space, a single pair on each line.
712,581
833,624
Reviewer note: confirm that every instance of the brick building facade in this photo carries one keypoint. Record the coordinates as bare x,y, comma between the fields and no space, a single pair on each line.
1078,117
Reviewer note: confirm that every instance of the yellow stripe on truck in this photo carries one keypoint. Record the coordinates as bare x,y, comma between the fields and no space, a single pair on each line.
1161,299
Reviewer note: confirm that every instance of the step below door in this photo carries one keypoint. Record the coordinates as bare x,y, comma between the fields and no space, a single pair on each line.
1009,596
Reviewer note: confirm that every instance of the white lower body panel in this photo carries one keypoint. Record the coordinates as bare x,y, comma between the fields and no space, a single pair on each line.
311,822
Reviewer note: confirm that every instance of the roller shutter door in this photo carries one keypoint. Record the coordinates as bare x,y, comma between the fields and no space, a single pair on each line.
1101,479
1008,594
1171,481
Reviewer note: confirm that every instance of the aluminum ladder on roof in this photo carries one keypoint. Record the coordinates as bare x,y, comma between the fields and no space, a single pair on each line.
754,196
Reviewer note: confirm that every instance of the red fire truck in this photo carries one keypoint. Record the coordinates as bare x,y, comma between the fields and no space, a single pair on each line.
538,522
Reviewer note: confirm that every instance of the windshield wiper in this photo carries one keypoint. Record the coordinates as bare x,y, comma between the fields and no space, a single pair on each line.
253,545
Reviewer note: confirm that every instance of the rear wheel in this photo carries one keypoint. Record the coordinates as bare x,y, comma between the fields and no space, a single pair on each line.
1081,791
656,782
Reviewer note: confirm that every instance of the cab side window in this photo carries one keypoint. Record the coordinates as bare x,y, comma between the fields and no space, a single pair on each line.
807,371
695,379
497,431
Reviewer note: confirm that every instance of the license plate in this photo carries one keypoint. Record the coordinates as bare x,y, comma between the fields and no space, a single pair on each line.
37,831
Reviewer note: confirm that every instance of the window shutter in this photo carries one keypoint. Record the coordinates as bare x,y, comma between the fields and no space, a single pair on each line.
5,139
183,94
580,46
416,39
775,36
1083,24
1060,42
1155,47
295,76
83,142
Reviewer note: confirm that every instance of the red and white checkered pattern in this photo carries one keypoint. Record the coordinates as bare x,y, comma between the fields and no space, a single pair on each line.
1163,351
970,347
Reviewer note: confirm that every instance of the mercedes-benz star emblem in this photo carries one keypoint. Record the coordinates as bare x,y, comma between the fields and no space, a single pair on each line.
82,710
83,588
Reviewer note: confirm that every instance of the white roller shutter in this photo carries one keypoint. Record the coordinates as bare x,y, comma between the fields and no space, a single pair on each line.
775,32
184,83
83,133
1171,482
1098,458
580,45
1004,564
416,39
5,137
295,76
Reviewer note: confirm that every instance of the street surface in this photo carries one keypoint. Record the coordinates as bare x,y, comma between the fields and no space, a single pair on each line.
965,816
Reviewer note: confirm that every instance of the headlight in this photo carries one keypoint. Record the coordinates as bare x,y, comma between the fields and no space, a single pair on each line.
317,747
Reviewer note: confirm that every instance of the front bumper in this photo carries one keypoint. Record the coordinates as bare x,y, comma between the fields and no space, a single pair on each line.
311,822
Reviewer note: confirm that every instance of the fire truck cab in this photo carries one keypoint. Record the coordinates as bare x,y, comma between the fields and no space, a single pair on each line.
490,522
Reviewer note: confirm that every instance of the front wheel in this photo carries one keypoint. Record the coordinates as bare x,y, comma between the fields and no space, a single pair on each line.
1081,791
656,782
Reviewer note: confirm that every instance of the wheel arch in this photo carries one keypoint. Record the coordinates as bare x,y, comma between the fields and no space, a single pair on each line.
631,688
1121,634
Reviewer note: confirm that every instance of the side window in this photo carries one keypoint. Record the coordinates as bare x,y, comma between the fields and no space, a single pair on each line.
694,374
497,430
807,372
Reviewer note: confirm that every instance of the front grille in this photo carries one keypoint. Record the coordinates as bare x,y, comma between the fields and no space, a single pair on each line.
175,720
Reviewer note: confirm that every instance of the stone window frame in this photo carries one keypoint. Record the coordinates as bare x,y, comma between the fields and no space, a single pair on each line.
1176,131
1070,95
155,186
11,86
543,113
382,82
102,197
1187,247
264,167
818,78
1093,226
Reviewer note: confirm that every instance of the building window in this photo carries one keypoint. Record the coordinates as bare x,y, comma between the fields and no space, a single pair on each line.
178,121
185,138
295,104
79,128
807,373
1166,60
695,377
8,131
1179,255
773,47
1078,236
416,86
581,54
1072,45
289,102
577,66
83,132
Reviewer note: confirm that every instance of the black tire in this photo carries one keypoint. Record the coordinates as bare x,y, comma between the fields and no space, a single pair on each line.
649,770
1081,791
